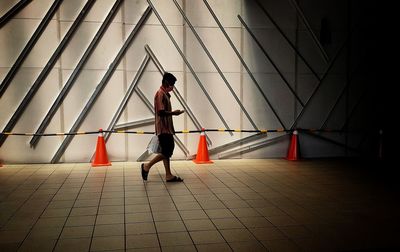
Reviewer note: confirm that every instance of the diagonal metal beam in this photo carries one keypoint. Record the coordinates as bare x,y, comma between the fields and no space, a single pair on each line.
31,43
176,92
127,96
331,63
101,86
135,124
253,147
330,140
350,115
13,11
243,63
146,102
77,70
310,30
46,70
215,64
188,65
124,102
287,39
345,88
271,61
233,144
329,114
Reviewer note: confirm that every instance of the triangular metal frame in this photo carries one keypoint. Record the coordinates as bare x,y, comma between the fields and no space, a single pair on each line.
100,86
75,74
46,70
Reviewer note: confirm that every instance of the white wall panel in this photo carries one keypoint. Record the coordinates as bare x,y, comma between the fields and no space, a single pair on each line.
311,53
279,150
80,94
322,102
16,33
29,121
279,95
78,44
225,10
13,38
107,49
276,47
98,117
198,14
136,146
44,47
338,117
160,44
227,106
15,92
132,10
257,107
254,17
136,109
100,11
306,84
6,5
282,12
39,105
359,106
312,146
254,57
218,47
17,150
36,9
215,87
167,10
69,10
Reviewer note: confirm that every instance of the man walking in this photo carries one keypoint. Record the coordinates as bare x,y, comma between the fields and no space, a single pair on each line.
164,128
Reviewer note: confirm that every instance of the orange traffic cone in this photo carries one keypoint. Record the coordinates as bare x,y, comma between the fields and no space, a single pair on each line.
293,153
202,151
101,158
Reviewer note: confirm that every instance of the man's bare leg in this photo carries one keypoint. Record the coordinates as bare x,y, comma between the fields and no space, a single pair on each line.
168,174
152,162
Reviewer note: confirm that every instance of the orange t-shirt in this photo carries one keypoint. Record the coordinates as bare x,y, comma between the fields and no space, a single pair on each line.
163,124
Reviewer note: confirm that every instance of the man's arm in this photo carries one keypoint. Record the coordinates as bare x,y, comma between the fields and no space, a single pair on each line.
167,113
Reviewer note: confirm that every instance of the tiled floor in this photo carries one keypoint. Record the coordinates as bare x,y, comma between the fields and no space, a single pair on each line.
239,205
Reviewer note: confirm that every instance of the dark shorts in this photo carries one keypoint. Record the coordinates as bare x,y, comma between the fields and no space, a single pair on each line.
167,144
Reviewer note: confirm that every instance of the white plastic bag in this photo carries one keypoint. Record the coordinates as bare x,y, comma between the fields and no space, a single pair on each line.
154,145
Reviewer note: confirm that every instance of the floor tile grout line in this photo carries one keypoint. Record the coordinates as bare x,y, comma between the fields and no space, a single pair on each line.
70,186
98,207
273,204
204,212
14,175
31,228
289,238
283,211
151,212
27,198
69,213
230,208
180,216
